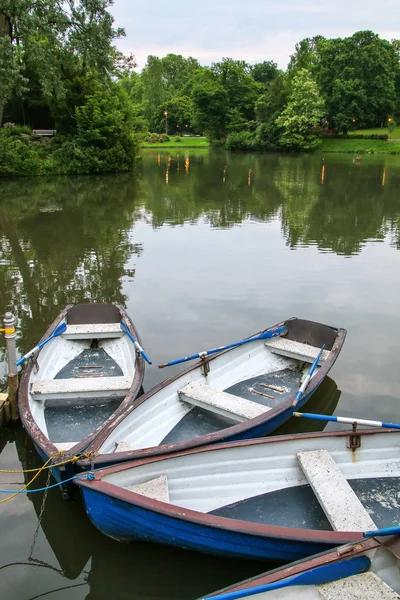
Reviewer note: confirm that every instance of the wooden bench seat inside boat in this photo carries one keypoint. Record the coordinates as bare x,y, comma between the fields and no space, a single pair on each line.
81,388
363,586
93,321
339,502
91,331
226,405
157,488
296,350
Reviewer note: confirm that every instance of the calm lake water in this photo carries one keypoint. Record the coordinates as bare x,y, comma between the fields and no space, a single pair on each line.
203,249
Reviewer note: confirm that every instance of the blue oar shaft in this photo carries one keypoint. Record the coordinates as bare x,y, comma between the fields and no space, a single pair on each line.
307,380
135,343
265,335
385,531
317,576
58,331
349,420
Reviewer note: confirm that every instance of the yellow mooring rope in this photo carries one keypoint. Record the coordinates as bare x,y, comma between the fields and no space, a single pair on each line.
46,465
29,482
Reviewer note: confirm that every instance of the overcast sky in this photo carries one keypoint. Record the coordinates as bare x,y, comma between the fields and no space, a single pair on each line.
253,30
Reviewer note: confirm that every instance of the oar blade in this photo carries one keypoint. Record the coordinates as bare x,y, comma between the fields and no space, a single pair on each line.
317,576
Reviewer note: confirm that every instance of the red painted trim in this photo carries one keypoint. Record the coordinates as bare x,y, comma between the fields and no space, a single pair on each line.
27,418
216,437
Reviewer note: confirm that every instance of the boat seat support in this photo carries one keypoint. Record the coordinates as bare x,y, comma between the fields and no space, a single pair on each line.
296,350
340,504
223,404
87,387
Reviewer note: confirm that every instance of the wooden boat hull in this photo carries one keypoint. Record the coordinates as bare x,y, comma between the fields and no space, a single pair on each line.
33,412
383,554
209,484
158,409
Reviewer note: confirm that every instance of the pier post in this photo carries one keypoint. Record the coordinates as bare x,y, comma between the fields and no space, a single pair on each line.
10,335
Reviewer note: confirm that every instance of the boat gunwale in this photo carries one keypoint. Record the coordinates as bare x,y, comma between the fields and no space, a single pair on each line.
218,436
299,566
224,523
26,416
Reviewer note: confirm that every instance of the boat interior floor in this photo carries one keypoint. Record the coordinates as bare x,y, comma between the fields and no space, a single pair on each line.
92,362
73,420
269,389
299,507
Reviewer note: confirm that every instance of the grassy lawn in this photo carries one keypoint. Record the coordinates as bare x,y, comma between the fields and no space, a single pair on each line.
185,142
380,131
360,146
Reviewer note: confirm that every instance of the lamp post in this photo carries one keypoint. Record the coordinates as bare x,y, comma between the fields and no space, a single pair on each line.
166,121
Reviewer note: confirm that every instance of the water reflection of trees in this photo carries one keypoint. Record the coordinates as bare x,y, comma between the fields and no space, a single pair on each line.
62,241
335,203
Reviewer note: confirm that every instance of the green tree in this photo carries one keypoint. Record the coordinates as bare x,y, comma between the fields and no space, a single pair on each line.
104,141
357,76
264,72
36,36
210,105
302,114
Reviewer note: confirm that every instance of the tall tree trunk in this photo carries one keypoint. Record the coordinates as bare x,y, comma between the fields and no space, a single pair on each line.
4,30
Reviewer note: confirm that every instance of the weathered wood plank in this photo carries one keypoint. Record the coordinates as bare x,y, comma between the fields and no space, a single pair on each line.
296,350
357,587
89,385
91,331
340,504
221,403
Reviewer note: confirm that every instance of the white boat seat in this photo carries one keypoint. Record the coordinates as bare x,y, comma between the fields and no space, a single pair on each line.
340,504
89,331
87,387
296,350
357,587
221,403
157,488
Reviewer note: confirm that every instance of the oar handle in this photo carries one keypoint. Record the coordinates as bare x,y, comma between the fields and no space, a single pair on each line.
307,379
136,344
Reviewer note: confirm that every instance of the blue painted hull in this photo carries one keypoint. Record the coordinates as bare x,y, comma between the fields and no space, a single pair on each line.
127,522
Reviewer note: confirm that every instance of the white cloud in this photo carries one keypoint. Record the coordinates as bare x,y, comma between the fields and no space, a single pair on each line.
256,31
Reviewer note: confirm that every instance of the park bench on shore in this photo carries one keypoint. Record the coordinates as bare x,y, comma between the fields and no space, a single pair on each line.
44,132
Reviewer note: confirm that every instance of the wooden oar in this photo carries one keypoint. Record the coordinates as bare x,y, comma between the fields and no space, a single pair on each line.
318,576
58,331
306,381
350,420
265,335
137,345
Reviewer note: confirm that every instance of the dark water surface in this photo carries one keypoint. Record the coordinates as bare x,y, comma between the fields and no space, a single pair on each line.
202,248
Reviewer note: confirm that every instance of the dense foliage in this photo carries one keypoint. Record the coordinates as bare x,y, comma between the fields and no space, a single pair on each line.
59,70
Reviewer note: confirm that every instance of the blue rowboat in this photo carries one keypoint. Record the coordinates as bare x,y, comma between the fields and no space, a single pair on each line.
368,569
241,393
281,498
85,370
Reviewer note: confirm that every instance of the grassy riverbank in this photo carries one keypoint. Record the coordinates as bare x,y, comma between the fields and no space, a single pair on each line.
183,142
356,146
